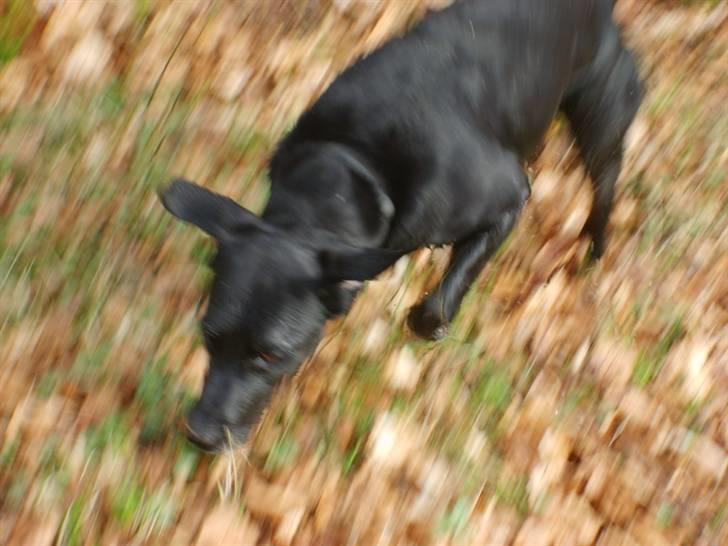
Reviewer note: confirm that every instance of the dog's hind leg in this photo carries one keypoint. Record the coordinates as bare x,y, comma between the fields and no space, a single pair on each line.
600,111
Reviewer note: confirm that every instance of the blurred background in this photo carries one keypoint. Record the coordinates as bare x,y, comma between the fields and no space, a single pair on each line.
566,407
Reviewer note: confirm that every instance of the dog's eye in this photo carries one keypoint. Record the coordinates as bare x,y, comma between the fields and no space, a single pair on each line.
268,357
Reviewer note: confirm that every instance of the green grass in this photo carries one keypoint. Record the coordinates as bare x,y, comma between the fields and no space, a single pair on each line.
719,518
493,391
663,101
651,359
281,454
247,141
514,493
488,390
157,399
90,365
350,405
142,9
113,432
71,530
139,511
351,458
48,383
187,459
51,460
362,427
692,412
8,453
126,500
456,518
367,373
665,514
490,395
17,490
400,405
158,513
645,369
16,22
578,397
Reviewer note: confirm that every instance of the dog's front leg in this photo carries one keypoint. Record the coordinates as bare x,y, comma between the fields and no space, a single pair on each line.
429,319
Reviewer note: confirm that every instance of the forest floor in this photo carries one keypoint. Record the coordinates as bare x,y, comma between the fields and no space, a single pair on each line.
566,406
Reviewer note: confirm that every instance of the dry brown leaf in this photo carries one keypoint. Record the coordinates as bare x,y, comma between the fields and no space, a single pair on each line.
225,525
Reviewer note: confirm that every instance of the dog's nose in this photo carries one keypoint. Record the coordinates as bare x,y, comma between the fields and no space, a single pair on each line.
204,431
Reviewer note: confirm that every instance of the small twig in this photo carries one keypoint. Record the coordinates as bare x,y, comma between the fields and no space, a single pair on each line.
566,154
618,432
166,65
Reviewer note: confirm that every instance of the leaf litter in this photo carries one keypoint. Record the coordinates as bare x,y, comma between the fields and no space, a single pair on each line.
567,406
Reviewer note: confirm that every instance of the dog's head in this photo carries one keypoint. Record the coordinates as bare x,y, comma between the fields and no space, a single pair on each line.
271,295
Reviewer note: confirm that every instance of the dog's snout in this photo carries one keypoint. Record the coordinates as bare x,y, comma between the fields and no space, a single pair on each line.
207,431
202,430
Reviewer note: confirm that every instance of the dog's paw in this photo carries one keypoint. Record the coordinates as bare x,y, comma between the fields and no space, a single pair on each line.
425,323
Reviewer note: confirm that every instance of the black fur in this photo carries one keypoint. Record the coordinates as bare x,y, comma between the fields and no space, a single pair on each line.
421,143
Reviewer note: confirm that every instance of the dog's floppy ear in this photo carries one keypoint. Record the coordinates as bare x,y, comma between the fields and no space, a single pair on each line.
213,213
356,264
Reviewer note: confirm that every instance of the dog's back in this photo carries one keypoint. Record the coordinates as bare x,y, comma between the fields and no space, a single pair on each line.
503,65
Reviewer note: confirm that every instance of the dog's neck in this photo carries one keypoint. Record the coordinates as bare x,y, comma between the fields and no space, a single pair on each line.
330,193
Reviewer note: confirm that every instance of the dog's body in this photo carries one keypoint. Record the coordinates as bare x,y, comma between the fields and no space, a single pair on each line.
419,144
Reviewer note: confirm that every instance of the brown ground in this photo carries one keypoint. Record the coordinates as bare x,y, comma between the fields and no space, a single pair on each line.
566,407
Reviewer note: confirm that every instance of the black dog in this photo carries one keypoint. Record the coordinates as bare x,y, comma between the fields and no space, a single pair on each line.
418,144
